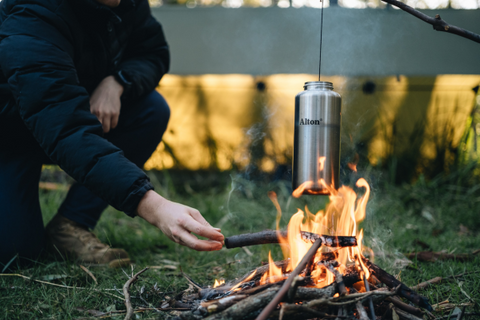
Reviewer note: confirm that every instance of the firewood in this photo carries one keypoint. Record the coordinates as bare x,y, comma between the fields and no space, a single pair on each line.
361,311
392,282
342,290
405,307
271,236
283,290
246,306
215,306
405,315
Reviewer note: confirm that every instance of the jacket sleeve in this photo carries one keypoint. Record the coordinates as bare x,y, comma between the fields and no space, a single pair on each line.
147,56
36,58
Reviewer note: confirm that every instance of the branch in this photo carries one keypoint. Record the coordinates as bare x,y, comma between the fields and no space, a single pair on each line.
127,285
272,236
438,23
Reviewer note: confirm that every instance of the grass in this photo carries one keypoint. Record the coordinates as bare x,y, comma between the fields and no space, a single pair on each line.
443,213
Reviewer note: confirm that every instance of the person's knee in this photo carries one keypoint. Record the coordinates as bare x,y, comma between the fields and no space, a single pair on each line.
159,115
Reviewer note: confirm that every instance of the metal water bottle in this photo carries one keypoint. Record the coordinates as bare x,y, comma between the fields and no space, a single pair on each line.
316,155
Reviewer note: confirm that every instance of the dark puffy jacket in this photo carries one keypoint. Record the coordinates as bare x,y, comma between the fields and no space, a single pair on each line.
53,53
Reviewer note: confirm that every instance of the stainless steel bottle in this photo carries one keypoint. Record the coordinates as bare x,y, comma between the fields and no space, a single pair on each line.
316,156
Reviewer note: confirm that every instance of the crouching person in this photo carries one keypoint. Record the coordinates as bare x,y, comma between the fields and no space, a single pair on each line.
77,89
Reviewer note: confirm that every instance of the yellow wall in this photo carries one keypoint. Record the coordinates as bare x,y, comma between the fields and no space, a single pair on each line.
215,117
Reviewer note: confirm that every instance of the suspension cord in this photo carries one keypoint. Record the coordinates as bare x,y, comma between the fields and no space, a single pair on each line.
321,40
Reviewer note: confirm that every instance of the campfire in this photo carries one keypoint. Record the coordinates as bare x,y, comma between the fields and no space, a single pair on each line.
324,273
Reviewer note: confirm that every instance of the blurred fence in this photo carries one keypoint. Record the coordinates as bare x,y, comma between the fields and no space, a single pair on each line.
225,121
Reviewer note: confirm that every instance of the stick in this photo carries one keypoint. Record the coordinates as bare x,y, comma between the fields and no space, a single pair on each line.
435,280
437,22
404,291
246,306
127,285
406,315
405,307
361,311
271,236
342,290
293,288
283,290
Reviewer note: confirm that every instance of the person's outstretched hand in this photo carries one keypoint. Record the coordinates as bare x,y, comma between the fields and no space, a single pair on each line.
178,222
105,102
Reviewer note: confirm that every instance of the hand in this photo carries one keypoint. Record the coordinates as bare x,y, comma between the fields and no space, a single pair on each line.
105,102
178,222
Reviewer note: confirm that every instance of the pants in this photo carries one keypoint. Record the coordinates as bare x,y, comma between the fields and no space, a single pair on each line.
139,131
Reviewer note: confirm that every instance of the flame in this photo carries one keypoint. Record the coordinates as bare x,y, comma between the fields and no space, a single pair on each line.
341,217
218,283
353,165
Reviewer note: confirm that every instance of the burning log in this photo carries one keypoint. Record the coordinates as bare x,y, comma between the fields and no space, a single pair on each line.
301,265
271,236
391,282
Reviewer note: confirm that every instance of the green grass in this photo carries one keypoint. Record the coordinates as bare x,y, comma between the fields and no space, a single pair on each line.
397,216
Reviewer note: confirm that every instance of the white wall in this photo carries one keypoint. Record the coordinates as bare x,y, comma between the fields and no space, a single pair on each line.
357,42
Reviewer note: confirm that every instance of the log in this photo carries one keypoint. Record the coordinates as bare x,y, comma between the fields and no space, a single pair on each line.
392,282
283,290
246,306
271,236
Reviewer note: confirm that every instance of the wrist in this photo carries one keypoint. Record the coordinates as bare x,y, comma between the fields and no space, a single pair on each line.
149,204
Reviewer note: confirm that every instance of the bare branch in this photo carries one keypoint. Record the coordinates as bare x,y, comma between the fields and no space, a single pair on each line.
126,293
438,23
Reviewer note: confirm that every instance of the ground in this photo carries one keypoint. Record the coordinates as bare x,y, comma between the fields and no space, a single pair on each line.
442,214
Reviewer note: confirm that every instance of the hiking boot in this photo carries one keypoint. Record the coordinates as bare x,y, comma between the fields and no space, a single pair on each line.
74,240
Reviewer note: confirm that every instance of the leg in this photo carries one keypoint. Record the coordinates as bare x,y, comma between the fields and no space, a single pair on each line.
139,131
21,225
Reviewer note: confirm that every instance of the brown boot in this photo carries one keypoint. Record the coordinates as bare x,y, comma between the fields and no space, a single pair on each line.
72,239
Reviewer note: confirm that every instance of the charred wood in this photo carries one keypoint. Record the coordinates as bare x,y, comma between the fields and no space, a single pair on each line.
392,282
271,236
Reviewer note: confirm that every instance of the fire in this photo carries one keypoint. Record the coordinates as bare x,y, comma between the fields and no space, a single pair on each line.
341,217
218,283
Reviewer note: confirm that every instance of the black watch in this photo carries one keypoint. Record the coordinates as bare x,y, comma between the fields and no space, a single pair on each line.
120,77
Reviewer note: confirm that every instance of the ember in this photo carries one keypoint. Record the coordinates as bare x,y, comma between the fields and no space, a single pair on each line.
324,274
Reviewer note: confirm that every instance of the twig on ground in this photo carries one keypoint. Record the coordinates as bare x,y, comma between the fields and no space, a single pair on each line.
435,280
438,23
89,273
60,285
190,280
126,293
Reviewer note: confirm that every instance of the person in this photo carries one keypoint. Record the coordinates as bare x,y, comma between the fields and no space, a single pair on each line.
77,89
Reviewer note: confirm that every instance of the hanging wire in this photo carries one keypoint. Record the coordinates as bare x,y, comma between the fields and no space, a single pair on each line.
321,40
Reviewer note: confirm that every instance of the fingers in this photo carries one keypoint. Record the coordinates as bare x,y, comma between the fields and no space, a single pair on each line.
189,240
106,123
202,230
197,216
114,121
